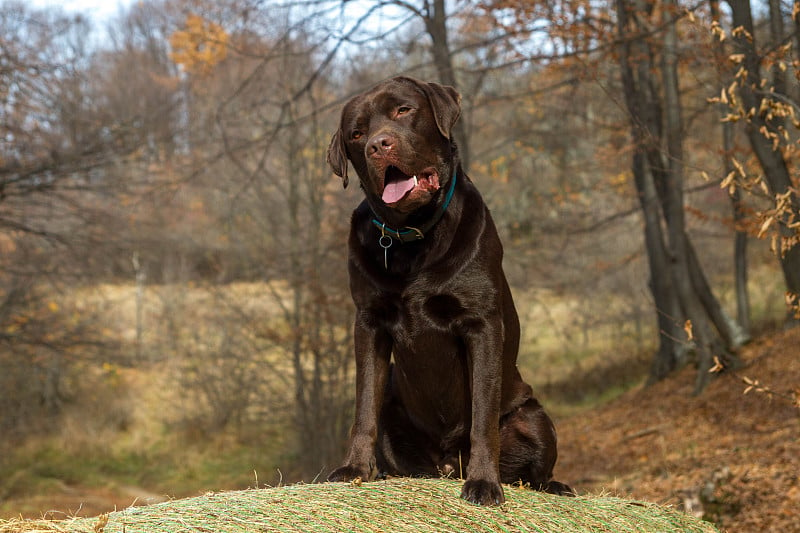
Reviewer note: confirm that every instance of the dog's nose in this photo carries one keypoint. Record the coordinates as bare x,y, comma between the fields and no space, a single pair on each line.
380,144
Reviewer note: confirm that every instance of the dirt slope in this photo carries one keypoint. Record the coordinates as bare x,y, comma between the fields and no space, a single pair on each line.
730,456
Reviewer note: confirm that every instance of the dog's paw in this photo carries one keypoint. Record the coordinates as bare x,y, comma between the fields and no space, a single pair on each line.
481,492
349,473
556,487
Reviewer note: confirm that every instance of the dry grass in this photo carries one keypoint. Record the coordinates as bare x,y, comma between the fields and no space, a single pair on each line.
396,506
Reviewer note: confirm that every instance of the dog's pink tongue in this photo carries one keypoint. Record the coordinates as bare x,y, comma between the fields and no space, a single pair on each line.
395,191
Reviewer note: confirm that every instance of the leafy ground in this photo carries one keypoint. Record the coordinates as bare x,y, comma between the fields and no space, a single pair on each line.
731,457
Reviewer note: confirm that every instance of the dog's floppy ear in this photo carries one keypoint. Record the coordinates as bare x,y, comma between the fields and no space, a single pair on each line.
446,104
337,156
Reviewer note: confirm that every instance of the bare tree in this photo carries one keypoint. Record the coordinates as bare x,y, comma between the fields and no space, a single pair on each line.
56,145
278,210
682,295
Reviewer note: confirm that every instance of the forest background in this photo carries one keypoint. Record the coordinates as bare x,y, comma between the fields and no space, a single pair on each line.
174,310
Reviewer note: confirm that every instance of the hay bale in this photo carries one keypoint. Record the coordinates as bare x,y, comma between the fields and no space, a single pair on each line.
392,506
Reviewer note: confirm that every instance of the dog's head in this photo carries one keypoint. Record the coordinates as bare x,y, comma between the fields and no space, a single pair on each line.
398,136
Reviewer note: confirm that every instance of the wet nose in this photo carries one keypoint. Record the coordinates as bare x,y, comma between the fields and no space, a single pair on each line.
380,144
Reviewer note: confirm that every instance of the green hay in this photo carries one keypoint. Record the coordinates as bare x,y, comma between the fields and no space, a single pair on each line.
392,506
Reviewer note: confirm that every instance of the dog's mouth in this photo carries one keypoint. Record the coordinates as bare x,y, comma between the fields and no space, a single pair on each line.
397,185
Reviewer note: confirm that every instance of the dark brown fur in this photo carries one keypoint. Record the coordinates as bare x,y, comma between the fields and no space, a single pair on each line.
453,400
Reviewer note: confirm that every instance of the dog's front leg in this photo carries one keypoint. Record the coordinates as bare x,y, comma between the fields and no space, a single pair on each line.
373,348
485,349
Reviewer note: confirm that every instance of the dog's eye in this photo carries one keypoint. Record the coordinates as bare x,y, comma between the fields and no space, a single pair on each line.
403,109
356,135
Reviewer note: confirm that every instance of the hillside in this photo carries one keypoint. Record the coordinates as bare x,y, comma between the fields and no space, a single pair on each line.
396,505
730,456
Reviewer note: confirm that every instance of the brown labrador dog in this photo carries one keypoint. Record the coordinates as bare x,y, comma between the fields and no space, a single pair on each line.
425,265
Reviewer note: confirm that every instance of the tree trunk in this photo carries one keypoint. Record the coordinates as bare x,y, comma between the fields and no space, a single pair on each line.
671,352
294,314
796,20
776,30
740,268
673,202
436,26
644,113
657,130
740,236
740,239
772,161
731,331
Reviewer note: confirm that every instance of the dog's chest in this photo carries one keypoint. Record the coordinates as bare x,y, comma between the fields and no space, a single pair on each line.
426,318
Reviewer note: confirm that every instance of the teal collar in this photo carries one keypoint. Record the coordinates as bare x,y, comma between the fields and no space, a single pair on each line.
410,234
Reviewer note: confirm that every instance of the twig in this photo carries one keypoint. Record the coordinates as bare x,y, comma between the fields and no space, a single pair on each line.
642,433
